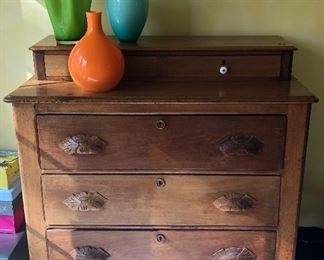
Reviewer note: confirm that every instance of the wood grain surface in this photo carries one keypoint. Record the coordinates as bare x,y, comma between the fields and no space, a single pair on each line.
186,142
30,175
177,162
179,200
148,245
178,43
182,67
170,92
292,181
151,57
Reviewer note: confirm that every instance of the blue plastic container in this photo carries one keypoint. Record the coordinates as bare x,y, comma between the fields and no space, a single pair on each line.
12,193
127,18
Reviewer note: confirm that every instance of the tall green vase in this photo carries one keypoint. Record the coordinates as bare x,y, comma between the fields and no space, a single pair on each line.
68,18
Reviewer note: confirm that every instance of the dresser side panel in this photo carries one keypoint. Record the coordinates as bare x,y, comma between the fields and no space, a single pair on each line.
24,116
291,181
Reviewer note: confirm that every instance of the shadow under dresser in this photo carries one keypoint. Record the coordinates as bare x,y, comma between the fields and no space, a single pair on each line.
198,154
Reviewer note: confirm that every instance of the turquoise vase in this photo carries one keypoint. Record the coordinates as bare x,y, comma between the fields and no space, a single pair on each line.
127,18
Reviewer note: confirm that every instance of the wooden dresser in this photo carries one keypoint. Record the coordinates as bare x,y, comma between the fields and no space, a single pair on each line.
197,155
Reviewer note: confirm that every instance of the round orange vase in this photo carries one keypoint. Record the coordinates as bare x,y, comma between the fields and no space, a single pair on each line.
96,64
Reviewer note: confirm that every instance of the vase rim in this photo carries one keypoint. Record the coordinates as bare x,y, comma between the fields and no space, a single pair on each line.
94,12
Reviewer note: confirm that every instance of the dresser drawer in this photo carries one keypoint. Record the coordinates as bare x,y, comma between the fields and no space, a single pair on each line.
224,67
161,245
184,67
161,200
157,143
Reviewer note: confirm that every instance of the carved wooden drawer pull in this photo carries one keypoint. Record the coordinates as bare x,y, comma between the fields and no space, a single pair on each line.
234,253
85,201
89,253
241,145
235,202
82,144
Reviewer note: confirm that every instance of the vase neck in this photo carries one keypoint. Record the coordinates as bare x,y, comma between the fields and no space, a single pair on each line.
94,22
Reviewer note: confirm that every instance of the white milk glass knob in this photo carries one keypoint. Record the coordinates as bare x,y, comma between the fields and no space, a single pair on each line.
223,70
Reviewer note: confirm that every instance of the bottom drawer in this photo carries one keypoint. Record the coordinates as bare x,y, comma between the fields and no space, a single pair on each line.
160,245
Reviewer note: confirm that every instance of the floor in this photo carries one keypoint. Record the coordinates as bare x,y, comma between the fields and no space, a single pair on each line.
310,243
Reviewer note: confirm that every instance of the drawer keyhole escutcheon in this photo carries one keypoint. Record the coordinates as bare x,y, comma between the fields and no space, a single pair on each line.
85,201
89,252
160,238
160,182
234,253
160,125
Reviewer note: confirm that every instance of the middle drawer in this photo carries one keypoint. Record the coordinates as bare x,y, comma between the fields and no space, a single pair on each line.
161,200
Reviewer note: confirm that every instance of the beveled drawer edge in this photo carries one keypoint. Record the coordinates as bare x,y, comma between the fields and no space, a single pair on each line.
199,172
250,52
155,228
157,109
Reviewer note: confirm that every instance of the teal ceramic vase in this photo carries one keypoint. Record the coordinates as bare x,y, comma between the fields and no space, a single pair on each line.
127,18
68,18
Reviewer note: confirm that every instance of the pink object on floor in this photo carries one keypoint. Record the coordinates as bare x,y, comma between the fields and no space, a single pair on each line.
12,224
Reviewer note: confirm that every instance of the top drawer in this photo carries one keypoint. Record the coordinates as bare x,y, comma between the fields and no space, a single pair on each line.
209,68
161,143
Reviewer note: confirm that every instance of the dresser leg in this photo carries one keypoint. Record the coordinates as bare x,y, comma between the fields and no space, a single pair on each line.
30,174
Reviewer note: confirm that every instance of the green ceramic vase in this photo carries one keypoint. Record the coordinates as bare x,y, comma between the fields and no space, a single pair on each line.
68,18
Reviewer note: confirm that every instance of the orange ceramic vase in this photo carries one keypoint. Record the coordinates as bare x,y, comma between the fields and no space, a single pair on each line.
96,64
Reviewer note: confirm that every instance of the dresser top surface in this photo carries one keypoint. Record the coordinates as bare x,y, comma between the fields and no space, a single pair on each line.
186,43
129,92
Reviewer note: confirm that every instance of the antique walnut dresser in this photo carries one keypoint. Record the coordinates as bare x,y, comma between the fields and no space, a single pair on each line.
197,155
